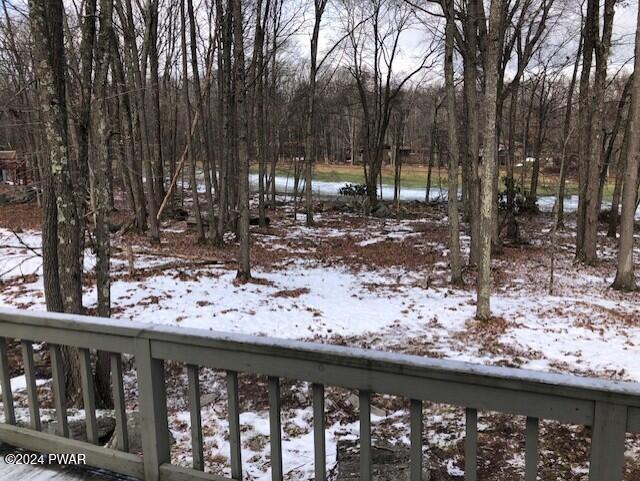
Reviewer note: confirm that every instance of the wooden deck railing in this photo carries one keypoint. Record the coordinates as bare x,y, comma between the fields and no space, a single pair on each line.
612,409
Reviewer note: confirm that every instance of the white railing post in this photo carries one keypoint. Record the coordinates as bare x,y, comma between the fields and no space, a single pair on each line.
608,442
5,382
153,410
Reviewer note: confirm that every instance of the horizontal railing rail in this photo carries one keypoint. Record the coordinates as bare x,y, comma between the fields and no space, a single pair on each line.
611,408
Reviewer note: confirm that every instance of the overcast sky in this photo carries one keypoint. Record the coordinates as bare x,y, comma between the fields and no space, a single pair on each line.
413,42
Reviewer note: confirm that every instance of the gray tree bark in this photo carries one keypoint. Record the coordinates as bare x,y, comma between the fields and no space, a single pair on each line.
102,197
259,84
625,277
244,270
50,69
472,128
566,132
189,151
151,50
100,169
319,6
492,48
209,164
455,263
224,108
136,77
589,205
132,160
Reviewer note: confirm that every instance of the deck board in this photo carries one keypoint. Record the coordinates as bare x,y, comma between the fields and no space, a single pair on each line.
25,472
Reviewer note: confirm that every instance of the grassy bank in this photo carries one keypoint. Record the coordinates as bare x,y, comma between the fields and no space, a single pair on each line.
415,177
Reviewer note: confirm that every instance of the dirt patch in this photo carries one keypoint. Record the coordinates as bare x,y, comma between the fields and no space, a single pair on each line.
291,293
20,217
403,253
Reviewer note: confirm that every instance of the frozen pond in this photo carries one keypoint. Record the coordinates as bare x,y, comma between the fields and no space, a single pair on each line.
284,185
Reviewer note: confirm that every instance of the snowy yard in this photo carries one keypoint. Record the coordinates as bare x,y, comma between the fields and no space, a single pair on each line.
377,283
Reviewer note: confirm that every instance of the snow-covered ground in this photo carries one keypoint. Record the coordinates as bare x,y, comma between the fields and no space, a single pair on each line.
360,282
305,298
19,383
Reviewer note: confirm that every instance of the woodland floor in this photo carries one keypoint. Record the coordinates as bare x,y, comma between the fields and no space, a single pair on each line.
368,282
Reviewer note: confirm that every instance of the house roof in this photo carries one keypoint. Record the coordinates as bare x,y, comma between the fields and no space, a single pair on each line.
9,159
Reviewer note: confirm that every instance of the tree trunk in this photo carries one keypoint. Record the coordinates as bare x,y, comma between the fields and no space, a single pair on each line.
590,30
455,263
102,159
593,168
152,51
617,190
625,277
190,152
139,112
608,155
535,174
432,149
103,204
510,182
52,292
473,143
566,133
274,150
489,160
209,164
119,154
50,67
83,122
259,117
244,271
224,96
133,161
310,133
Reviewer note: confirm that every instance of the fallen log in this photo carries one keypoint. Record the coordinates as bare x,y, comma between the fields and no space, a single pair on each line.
191,221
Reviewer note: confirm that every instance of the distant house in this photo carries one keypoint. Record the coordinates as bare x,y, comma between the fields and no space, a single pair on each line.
13,168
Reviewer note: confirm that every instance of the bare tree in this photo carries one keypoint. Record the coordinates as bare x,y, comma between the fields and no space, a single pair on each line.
491,46
468,44
625,278
455,263
319,6
244,270
381,24
136,78
260,74
102,198
611,142
62,239
83,116
99,169
209,164
190,154
225,112
150,52
591,115
566,133
612,230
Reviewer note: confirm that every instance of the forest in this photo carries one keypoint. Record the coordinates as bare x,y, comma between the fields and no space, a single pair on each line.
450,178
